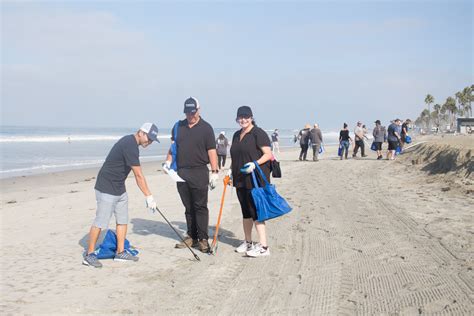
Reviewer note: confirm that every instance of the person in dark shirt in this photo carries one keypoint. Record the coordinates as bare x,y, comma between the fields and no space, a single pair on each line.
249,144
276,141
111,193
344,141
393,138
316,137
222,143
196,148
304,137
404,132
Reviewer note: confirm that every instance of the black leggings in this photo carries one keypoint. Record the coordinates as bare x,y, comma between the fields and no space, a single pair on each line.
221,158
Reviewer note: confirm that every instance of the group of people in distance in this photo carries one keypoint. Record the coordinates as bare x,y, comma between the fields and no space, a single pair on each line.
196,149
309,137
396,136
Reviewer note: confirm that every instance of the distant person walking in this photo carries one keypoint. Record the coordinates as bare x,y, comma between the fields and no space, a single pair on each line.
344,141
404,132
316,138
249,144
196,149
359,140
304,138
380,134
393,138
276,141
110,191
222,143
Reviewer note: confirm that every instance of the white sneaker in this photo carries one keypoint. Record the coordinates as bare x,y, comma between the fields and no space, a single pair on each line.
258,251
244,247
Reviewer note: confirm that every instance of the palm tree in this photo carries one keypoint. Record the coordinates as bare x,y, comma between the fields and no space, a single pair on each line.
460,100
467,99
437,109
452,110
428,100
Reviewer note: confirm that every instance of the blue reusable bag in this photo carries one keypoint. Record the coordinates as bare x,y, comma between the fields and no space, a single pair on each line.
108,247
398,150
339,151
373,147
321,149
268,202
174,147
407,139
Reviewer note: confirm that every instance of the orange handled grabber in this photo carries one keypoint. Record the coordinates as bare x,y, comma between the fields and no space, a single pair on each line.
214,241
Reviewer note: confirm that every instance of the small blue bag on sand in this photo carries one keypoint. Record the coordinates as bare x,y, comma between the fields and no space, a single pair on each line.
398,151
407,139
108,247
373,147
268,203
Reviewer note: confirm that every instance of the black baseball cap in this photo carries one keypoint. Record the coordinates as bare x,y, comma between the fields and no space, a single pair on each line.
377,122
191,105
244,111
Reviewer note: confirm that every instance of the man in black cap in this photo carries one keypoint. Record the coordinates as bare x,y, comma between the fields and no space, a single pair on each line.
111,193
196,148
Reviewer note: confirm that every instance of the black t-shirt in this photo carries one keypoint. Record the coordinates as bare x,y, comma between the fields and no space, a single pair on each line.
118,164
192,158
404,127
248,150
344,135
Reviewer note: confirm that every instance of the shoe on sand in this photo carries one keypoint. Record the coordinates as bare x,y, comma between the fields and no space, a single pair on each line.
244,247
92,261
125,256
203,245
258,251
187,241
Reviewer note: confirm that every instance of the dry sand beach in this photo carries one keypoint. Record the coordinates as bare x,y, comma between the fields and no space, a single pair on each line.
365,237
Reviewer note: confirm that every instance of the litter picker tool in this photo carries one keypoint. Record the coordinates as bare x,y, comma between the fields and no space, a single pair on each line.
215,240
179,235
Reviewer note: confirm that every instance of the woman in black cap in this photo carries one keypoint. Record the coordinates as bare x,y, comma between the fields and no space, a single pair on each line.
249,144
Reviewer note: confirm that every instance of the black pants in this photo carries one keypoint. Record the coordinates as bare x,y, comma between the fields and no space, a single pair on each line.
221,158
304,151
359,143
197,213
316,151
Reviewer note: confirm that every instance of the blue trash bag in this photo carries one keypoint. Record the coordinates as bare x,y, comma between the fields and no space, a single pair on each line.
407,139
268,202
321,149
339,151
108,247
398,150
373,147
174,147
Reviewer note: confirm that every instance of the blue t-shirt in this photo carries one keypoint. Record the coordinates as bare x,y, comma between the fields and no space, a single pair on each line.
118,164
392,128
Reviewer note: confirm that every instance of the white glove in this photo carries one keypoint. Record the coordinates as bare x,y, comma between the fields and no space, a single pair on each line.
229,173
151,204
214,178
249,167
166,166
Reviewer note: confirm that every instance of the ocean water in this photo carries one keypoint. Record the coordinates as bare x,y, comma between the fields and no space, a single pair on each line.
33,150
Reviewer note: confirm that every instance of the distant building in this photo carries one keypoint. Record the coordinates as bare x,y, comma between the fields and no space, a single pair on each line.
465,125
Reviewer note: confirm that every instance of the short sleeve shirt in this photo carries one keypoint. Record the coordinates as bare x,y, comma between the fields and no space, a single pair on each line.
192,158
118,164
404,127
275,137
246,150
392,128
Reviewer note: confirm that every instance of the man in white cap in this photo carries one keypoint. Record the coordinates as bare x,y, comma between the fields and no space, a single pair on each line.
111,193
359,140
196,148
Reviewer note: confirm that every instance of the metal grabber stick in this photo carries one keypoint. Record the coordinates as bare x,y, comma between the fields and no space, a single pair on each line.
179,235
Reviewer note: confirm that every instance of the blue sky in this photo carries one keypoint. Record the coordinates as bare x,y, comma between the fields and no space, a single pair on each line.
119,63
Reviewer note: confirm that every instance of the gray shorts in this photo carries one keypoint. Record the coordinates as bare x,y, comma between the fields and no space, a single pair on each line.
108,204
